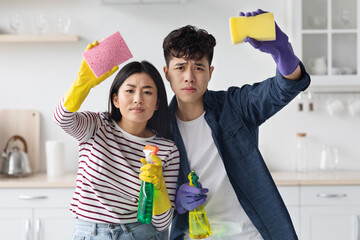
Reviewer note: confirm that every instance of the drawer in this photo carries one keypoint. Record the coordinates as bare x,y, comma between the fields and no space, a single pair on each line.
330,195
290,195
36,197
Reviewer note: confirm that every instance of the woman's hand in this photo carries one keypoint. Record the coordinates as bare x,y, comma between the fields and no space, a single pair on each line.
152,173
82,85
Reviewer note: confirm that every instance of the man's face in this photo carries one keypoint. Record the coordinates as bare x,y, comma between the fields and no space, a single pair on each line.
188,78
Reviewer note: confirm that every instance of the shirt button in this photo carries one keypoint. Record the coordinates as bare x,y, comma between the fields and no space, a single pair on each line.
230,133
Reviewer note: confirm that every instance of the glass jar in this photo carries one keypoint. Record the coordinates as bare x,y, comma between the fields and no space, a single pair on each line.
301,152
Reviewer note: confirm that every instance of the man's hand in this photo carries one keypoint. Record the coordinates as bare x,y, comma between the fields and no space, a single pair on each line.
280,49
188,198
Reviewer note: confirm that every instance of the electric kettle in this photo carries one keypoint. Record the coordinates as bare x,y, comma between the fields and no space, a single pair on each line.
15,162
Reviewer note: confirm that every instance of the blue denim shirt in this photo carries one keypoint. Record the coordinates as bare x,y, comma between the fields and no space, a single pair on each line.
234,117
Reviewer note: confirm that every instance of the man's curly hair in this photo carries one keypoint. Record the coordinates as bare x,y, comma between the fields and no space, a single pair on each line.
189,42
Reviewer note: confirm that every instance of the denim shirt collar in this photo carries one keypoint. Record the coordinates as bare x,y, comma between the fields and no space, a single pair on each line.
176,137
208,101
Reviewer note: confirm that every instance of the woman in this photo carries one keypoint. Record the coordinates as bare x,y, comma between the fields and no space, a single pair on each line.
110,147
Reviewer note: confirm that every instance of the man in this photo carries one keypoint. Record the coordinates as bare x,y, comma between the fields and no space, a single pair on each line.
217,136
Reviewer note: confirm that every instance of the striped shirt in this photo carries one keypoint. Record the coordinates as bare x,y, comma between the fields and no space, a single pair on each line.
108,184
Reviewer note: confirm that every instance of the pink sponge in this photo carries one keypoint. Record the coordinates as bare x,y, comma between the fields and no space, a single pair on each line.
110,52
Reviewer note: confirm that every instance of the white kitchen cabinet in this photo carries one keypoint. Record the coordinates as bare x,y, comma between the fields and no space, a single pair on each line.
330,212
55,223
290,195
36,214
325,35
330,223
324,212
15,223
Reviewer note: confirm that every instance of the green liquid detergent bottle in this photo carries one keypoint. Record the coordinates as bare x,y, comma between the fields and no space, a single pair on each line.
199,226
146,198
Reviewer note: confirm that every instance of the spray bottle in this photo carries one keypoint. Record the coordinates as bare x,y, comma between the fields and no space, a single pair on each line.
198,221
146,198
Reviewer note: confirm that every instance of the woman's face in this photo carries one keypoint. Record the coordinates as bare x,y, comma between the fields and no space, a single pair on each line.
136,99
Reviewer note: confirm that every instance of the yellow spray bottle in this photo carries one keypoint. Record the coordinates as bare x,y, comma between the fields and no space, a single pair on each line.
199,226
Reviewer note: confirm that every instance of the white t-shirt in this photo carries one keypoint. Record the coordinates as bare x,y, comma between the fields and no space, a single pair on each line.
226,216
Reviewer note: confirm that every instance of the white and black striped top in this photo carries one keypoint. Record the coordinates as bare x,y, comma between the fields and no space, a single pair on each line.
108,184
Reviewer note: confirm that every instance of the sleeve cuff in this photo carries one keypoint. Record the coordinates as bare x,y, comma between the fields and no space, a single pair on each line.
297,85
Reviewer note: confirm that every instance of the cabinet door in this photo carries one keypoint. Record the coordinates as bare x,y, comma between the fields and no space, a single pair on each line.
330,223
290,195
326,38
53,223
15,224
295,218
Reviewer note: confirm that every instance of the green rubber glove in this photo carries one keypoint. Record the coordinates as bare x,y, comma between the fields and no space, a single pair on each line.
82,85
152,173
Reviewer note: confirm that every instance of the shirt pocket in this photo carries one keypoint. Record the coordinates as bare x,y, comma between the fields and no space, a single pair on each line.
236,140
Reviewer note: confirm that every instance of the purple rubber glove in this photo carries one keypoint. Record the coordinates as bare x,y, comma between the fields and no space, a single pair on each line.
188,198
280,49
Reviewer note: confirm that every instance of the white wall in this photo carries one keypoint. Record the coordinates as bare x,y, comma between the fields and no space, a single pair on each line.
36,75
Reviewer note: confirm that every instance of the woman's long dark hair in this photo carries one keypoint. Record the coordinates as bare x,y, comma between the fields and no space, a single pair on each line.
160,121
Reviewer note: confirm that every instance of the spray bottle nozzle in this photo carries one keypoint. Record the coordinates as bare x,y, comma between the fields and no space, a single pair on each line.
193,178
148,150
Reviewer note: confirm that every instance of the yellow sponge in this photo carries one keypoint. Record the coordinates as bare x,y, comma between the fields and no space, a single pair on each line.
260,27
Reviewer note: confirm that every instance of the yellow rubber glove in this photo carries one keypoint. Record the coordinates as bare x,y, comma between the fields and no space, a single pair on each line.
152,173
82,85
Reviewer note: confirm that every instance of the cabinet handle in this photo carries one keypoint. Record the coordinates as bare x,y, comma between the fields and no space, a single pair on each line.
27,229
27,197
331,195
37,231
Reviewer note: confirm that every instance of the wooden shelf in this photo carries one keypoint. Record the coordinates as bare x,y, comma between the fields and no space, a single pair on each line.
11,38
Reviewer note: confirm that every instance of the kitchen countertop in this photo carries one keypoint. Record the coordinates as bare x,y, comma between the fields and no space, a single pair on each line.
280,178
39,180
